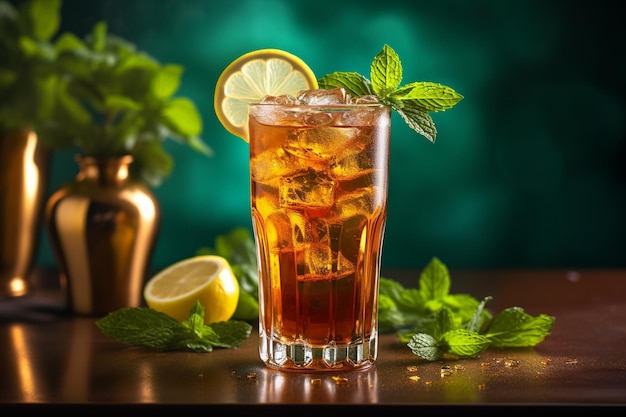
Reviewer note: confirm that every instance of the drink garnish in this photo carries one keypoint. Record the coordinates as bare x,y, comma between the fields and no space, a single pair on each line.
412,101
146,327
435,323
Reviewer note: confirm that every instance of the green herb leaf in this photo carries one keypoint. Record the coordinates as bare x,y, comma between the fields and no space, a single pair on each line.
433,322
514,327
182,116
412,101
355,84
386,72
434,283
167,81
42,18
150,328
425,346
416,118
428,96
464,343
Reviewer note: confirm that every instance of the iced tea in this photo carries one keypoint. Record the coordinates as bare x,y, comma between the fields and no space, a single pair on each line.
319,200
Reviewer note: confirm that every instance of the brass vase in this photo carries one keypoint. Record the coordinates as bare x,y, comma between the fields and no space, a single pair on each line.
103,227
23,179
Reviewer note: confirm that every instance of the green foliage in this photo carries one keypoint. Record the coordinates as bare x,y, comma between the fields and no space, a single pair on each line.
150,328
27,56
98,94
412,101
114,99
433,322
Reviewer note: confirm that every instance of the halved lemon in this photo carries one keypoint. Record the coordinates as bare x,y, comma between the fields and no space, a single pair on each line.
208,279
251,77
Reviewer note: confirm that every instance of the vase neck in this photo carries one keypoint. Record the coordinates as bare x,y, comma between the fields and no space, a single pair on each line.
104,170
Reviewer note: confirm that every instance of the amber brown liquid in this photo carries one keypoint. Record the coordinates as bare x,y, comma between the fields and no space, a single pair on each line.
318,213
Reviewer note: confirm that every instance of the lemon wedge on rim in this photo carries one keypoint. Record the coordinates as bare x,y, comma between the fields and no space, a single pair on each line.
251,77
208,279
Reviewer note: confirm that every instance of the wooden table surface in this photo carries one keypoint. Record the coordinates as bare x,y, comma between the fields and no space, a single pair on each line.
53,361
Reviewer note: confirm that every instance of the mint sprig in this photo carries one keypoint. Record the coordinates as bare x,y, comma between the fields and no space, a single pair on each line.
150,328
412,102
435,323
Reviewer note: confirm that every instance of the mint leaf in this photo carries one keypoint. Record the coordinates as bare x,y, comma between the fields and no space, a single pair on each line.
141,326
428,96
479,317
231,333
434,283
412,101
390,318
433,322
150,328
464,343
386,72
514,327
417,119
354,83
425,346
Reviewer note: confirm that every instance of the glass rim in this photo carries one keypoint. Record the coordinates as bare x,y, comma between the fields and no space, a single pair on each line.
319,107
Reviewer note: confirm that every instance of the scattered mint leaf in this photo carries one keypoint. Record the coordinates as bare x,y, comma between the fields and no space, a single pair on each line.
139,326
150,328
412,101
478,319
464,343
433,322
514,327
434,281
425,346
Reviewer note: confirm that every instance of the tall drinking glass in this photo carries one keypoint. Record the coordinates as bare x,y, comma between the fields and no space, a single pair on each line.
319,175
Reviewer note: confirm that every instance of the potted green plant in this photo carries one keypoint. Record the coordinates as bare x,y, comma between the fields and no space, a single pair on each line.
115,106
114,99
27,79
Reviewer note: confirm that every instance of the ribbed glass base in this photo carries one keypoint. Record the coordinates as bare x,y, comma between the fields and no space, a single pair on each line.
302,357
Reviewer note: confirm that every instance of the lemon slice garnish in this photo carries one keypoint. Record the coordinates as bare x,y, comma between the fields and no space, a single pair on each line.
208,279
251,77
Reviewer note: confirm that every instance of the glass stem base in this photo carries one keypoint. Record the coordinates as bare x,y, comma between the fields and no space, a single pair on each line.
300,356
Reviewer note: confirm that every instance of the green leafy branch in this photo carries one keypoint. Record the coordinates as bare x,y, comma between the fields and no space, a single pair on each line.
146,327
412,101
27,62
434,323
114,100
98,94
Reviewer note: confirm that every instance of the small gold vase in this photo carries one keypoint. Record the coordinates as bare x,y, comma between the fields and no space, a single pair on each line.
23,178
103,227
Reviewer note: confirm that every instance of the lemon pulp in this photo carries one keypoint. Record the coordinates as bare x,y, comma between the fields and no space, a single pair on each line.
208,279
251,77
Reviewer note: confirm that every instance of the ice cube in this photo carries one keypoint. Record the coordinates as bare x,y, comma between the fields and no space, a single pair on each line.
322,97
318,259
363,201
321,262
369,99
353,161
352,236
285,99
306,188
272,165
278,231
320,143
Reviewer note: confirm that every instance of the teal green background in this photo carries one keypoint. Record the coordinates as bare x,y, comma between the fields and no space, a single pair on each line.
528,170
